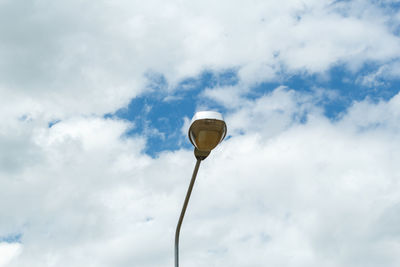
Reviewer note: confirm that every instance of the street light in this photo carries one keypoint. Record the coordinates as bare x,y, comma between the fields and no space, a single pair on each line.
206,131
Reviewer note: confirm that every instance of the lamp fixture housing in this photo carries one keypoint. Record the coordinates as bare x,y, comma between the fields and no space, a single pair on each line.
207,130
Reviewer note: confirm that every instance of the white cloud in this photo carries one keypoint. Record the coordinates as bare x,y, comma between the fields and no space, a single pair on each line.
58,64
228,96
314,194
281,192
271,113
379,77
8,251
288,188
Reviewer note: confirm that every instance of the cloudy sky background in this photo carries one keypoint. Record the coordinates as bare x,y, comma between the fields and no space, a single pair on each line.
96,99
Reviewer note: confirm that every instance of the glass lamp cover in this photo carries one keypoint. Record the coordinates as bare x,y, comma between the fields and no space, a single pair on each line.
207,130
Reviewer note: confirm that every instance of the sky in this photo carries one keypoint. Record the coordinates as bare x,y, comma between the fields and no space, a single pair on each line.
96,98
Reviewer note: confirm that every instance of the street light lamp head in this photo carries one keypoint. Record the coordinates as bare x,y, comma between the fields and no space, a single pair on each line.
207,130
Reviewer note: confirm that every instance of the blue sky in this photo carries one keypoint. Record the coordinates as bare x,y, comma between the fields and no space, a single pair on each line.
95,108
159,112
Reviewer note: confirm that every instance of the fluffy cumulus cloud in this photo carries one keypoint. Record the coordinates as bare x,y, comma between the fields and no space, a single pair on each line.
63,59
290,186
280,191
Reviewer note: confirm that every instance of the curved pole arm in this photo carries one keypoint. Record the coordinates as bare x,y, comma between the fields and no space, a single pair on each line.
178,227
200,155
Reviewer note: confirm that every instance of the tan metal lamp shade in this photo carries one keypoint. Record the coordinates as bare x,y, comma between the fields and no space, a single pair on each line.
207,130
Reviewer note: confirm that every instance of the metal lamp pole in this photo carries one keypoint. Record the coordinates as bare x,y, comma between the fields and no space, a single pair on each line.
206,131
189,192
